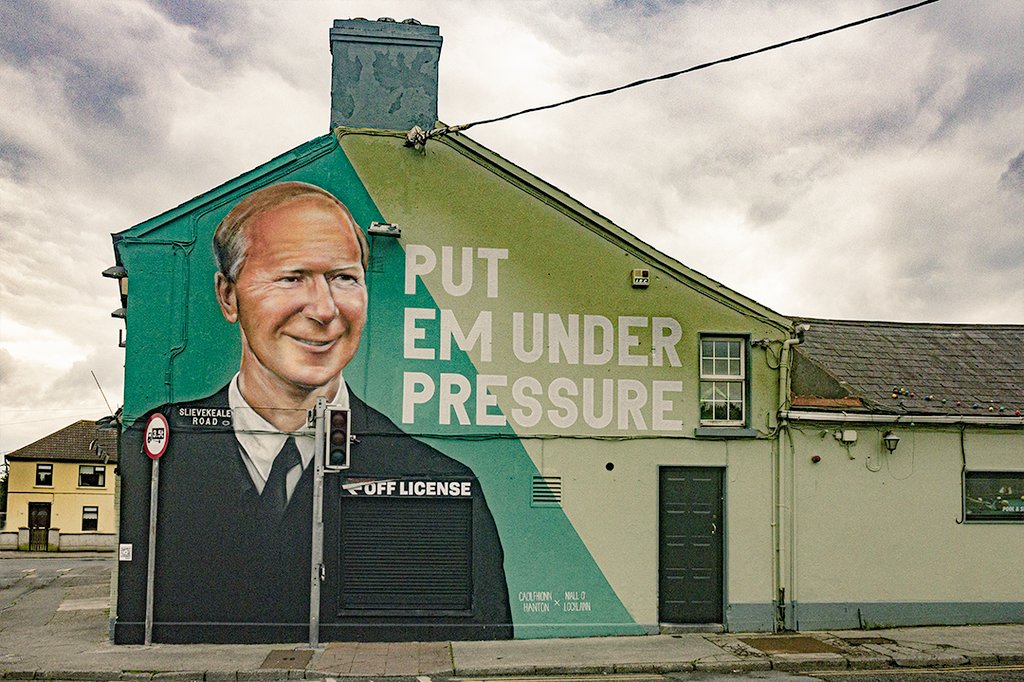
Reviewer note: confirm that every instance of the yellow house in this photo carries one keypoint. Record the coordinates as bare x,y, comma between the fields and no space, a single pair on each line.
60,493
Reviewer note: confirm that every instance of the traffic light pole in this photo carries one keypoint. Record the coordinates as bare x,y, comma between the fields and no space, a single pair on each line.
316,572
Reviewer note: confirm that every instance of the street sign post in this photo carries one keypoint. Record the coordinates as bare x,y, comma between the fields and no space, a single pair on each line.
316,573
154,443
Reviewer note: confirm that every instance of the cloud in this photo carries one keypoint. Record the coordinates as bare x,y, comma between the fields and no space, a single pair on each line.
1013,178
876,173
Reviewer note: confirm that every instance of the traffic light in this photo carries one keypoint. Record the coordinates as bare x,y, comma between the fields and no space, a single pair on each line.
337,426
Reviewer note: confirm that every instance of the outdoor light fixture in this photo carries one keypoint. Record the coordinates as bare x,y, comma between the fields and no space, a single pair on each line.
115,272
890,440
385,229
120,274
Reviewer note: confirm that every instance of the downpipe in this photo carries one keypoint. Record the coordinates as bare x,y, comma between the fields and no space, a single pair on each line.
780,540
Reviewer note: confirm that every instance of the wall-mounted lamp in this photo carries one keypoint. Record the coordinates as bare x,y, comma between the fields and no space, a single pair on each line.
119,273
385,229
890,440
115,272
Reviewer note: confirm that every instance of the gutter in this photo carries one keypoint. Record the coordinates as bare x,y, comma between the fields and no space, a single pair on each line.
798,415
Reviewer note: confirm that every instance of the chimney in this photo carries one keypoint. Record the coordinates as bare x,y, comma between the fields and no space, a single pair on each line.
384,74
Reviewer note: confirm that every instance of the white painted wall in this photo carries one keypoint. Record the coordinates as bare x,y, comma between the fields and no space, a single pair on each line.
874,527
616,512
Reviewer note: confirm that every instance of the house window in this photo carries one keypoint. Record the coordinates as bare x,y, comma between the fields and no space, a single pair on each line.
90,476
44,474
723,381
994,495
90,518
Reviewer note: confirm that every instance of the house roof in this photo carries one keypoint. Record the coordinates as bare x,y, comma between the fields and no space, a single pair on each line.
82,441
910,368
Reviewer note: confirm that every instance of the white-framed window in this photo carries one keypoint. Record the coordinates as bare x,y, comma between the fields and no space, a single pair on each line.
723,381
994,495
90,518
92,476
44,474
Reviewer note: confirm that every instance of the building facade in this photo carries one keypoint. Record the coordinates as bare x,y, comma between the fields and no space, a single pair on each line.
905,455
556,430
60,493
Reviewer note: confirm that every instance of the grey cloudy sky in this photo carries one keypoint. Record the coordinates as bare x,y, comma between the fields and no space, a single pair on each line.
876,173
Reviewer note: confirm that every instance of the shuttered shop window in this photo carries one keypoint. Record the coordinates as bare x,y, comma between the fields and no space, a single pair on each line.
401,554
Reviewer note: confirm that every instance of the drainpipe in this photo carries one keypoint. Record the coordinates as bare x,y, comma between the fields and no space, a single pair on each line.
780,540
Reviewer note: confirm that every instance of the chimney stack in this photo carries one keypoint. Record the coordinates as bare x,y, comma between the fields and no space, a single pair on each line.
384,74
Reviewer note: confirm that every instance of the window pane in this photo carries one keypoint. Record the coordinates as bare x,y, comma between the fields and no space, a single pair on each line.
90,518
722,402
721,357
994,495
707,390
90,476
44,474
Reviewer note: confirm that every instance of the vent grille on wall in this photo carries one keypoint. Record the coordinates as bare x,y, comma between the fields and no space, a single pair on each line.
547,491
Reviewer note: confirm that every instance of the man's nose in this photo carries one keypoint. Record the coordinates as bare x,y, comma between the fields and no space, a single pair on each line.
320,305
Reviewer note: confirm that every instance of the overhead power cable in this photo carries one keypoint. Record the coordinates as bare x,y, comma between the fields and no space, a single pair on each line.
418,137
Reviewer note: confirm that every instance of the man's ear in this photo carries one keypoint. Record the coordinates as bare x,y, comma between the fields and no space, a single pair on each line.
226,297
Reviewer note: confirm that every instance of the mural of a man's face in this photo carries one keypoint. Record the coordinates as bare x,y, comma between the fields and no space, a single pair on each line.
300,298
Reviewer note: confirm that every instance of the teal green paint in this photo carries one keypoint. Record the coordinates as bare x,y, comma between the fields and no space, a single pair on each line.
179,346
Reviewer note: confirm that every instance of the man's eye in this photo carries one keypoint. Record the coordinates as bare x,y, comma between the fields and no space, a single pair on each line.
288,279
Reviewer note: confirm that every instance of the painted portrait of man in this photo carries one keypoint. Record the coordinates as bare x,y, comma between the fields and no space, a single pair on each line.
236,483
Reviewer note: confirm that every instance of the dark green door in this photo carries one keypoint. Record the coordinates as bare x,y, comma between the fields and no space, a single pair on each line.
690,538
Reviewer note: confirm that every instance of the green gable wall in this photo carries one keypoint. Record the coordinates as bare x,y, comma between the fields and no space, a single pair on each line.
545,254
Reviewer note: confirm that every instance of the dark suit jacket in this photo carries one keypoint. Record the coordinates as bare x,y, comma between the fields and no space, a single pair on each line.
223,574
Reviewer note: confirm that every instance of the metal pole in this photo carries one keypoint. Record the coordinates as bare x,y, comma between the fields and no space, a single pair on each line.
317,553
151,554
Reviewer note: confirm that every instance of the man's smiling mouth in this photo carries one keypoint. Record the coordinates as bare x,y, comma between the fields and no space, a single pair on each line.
314,343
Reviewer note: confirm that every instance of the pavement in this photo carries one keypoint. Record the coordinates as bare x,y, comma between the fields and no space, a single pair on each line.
62,633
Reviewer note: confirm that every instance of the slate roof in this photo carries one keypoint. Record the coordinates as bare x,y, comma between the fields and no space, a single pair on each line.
911,368
71,444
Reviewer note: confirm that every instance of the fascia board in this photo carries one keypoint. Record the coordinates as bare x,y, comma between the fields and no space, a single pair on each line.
869,418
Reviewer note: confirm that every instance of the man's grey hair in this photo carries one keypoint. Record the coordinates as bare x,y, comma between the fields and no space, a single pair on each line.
230,242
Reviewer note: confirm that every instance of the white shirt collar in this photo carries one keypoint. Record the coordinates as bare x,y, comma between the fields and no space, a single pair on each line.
260,441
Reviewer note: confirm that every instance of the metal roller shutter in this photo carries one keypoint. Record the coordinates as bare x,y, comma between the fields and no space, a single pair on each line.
406,554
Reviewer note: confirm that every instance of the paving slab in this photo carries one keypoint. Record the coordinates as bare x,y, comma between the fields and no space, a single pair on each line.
598,654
